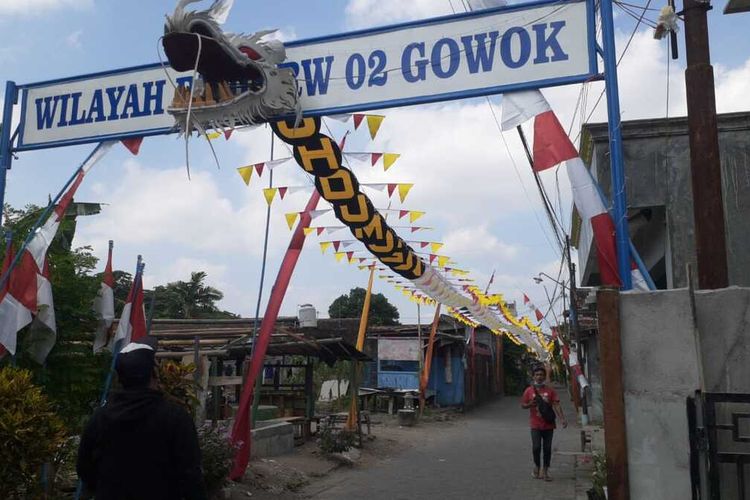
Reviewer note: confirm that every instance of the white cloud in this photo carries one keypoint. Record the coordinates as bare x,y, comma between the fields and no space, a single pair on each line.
74,39
366,13
39,7
478,244
170,209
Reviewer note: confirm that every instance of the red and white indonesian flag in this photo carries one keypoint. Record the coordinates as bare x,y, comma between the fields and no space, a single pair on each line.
14,314
104,305
132,324
532,307
552,146
31,279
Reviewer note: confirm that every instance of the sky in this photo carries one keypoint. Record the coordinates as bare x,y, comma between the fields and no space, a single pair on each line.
472,181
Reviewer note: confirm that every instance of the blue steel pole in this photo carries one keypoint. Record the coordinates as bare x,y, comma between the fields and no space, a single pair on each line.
619,211
11,94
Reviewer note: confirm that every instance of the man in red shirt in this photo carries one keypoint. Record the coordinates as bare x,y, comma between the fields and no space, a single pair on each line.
542,429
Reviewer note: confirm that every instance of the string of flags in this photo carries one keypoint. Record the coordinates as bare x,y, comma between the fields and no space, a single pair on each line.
386,159
402,189
373,121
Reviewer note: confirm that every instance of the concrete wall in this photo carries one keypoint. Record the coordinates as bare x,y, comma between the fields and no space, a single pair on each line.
660,370
272,438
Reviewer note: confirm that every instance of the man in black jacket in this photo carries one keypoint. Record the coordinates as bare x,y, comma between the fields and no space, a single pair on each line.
140,445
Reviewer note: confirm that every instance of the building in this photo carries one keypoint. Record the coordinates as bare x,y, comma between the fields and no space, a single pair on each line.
660,211
659,194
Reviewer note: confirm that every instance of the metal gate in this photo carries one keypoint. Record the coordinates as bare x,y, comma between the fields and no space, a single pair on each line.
719,425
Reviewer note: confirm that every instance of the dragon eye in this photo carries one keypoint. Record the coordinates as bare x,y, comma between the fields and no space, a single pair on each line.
252,54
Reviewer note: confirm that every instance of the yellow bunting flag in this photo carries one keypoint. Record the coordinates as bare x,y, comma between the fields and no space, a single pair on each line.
389,159
246,173
269,193
414,215
443,260
339,256
308,230
213,135
435,247
324,246
290,219
403,190
373,123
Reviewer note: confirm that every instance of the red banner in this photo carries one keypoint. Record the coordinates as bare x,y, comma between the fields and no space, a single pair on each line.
242,421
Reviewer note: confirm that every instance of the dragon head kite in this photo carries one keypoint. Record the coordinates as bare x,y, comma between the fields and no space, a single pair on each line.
238,81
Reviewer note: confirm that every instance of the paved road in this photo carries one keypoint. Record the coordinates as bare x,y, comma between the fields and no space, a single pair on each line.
486,454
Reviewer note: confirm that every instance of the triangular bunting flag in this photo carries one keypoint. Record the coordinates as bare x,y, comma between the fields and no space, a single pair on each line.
228,133
282,193
350,256
391,189
343,141
362,259
358,117
246,173
375,157
362,268
340,118
423,244
133,144
443,260
435,247
373,123
432,258
339,256
269,193
324,246
414,215
415,229
402,213
308,230
403,190
290,219
336,245
213,135
320,230
259,168
389,159
317,213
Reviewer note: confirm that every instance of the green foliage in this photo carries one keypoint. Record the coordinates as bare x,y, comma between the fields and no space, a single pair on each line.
73,375
30,433
598,476
188,299
514,366
176,380
217,454
382,312
336,440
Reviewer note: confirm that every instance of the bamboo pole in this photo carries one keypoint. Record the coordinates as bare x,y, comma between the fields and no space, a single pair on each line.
425,378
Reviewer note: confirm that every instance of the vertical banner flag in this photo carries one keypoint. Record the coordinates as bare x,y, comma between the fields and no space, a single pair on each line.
14,314
132,324
104,304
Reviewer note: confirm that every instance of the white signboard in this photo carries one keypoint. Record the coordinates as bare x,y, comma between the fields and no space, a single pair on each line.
398,349
466,55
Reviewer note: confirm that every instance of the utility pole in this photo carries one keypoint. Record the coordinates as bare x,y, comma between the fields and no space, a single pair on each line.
705,163
574,324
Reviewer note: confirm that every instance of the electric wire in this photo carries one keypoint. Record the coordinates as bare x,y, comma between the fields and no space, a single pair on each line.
619,59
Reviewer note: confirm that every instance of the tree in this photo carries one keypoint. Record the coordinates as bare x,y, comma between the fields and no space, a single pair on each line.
189,299
382,312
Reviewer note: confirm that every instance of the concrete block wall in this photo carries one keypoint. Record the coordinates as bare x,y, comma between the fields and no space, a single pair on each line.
661,370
